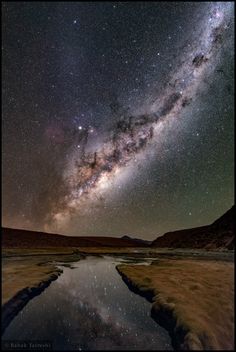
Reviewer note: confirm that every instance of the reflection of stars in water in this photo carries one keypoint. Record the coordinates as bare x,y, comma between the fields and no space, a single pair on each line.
109,317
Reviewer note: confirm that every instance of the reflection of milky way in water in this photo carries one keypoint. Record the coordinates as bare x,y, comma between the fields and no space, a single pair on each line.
90,173
89,308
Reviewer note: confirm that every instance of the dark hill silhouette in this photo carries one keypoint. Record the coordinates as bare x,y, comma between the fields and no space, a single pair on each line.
137,240
15,238
218,235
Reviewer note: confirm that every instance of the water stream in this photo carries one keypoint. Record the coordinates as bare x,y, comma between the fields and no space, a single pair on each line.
89,307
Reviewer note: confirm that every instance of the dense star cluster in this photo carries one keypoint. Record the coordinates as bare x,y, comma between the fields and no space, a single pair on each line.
117,117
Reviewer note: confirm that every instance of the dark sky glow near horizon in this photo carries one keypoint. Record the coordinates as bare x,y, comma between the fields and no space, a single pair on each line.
118,117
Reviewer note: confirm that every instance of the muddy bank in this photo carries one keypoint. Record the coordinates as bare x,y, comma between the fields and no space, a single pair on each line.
194,306
164,316
89,308
12,307
24,277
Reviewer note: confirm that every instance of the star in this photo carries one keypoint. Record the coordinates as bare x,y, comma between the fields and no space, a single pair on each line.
121,125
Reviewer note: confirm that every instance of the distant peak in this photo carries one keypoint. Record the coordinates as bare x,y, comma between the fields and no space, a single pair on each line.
126,237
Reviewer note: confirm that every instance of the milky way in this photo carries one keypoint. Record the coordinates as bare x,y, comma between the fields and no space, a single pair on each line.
117,117
132,133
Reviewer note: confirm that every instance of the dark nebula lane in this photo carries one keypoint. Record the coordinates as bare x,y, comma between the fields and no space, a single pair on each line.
112,86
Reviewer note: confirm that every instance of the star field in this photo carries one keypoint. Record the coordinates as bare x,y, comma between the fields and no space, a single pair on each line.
117,116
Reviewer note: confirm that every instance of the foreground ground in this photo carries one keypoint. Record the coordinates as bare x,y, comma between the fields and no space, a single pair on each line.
192,299
29,271
25,275
192,291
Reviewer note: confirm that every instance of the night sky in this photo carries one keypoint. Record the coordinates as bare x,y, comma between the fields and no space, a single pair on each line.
118,117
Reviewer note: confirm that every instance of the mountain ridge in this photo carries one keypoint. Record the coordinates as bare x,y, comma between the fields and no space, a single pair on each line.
218,235
35,239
